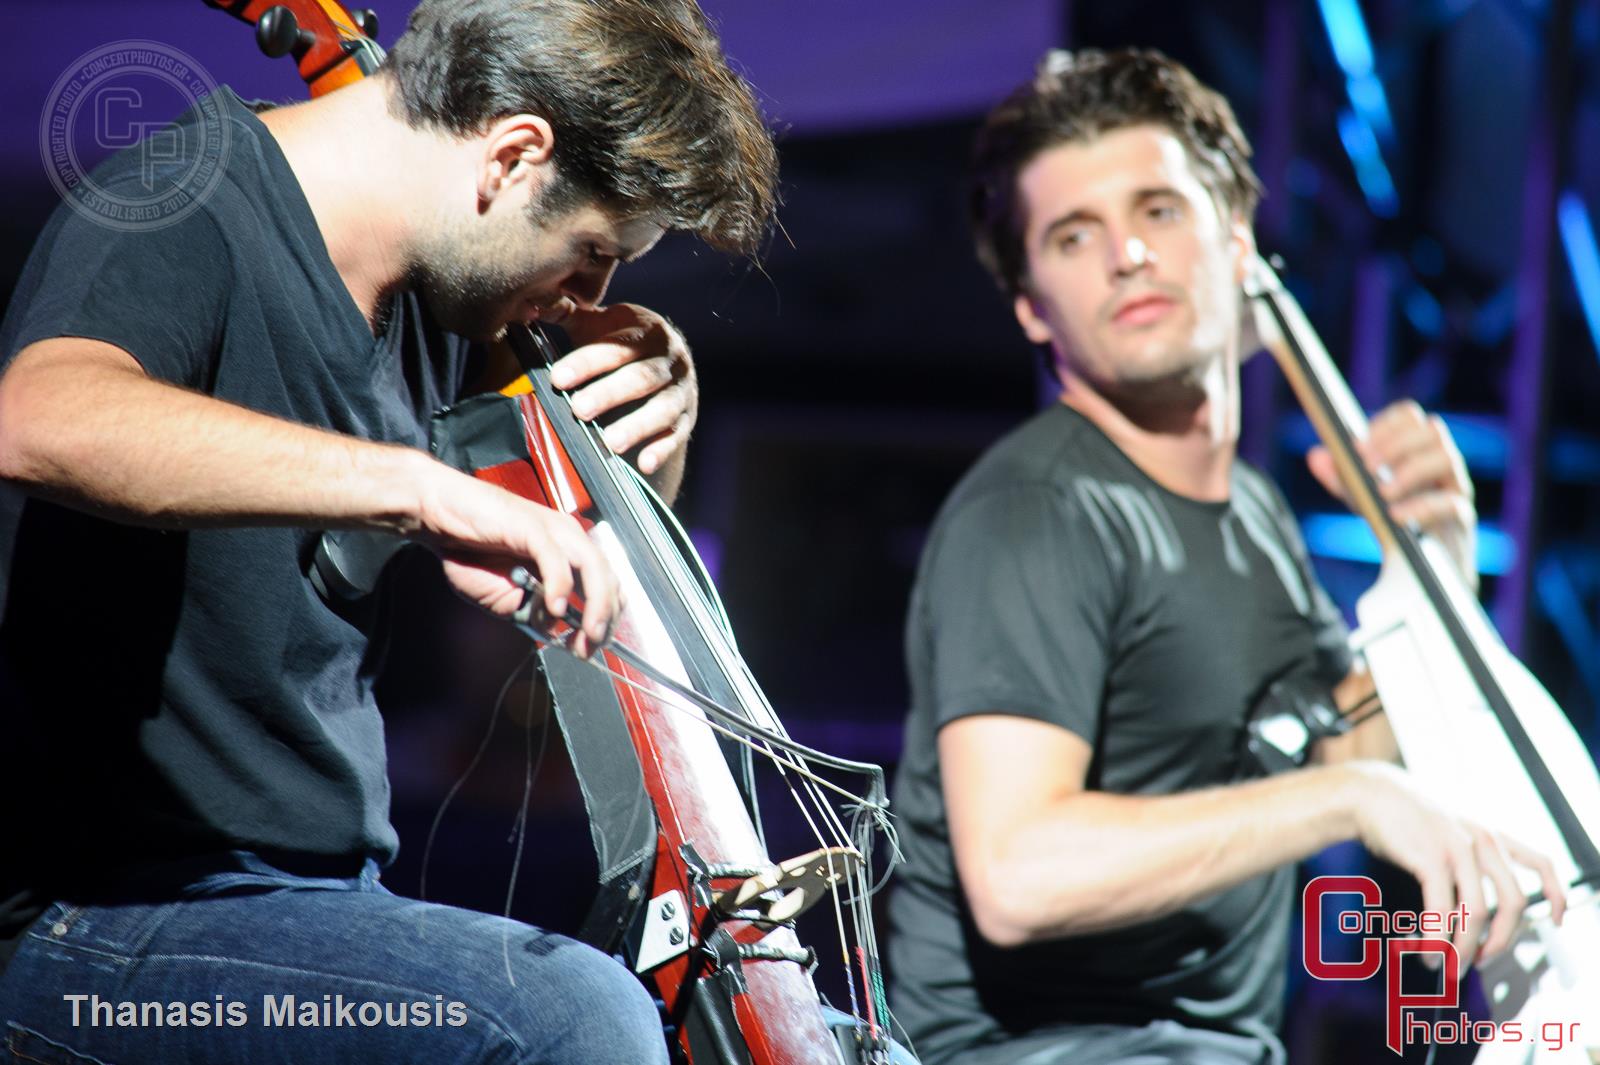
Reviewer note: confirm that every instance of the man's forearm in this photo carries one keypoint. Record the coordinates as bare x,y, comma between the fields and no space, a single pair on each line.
1095,861
103,436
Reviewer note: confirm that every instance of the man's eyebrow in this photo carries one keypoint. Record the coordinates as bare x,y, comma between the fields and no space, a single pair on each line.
1083,214
1070,218
1155,192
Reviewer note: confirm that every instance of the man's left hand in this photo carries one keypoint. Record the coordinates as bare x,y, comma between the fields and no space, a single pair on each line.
1421,475
626,354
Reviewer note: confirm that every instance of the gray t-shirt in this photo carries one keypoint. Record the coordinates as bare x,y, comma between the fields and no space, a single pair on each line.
1061,583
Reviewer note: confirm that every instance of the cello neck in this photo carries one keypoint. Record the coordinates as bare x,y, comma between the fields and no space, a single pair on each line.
1322,392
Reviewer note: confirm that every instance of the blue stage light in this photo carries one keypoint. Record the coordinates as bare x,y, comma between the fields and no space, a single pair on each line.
1349,539
1371,173
1352,49
1577,236
1347,31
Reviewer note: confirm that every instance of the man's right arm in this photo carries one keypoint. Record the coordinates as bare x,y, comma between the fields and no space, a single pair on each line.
82,423
1040,856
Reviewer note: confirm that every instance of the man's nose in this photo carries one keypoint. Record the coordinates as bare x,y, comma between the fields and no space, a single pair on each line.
1129,255
587,287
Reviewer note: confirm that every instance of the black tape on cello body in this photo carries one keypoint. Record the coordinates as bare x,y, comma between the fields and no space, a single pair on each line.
481,431
622,821
488,430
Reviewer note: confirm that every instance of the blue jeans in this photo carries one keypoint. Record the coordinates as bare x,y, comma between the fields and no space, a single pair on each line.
241,962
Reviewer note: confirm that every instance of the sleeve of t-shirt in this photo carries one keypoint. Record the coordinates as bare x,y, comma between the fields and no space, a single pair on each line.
1018,599
158,294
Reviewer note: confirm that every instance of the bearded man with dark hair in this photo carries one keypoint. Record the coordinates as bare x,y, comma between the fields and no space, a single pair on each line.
1091,877
195,823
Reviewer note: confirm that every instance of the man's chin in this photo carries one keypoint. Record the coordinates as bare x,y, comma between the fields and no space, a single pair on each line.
1166,376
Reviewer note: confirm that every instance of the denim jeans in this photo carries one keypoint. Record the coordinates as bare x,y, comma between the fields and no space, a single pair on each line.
240,962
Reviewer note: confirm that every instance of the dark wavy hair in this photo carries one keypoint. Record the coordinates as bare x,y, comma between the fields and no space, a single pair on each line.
650,119
1075,96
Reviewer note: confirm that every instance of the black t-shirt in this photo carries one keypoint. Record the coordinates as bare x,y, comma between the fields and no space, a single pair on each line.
1061,583
169,693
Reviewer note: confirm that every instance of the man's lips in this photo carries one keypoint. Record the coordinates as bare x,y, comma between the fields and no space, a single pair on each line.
552,313
1142,310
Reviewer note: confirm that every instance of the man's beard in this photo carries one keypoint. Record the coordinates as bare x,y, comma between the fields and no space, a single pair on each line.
471,299
463,273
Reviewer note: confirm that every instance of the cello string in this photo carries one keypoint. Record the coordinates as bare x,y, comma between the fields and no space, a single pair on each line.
718,635
718,638
707,705
809,782
626,481
705,606
709,617
862,924
836,825
520,828
844,945
861,918
705,587
734,734
466,774
859,887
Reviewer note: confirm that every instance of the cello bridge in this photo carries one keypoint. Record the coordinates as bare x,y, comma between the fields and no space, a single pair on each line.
777,894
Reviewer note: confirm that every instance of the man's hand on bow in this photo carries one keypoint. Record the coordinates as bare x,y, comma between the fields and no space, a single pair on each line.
632,362
483,532
1421,475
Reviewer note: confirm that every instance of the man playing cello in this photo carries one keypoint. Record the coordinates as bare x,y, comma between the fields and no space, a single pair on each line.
196,818
1102,600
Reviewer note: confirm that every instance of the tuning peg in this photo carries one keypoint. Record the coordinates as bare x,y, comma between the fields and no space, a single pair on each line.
366,21
278,32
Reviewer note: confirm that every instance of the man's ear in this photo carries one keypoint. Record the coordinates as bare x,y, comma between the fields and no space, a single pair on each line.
1033,324
1242,245
515,148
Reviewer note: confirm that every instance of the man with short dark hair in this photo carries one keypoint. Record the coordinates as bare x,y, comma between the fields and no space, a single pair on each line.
1089,878
195,818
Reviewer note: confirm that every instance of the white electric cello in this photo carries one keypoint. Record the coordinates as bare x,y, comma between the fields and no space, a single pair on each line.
1474,726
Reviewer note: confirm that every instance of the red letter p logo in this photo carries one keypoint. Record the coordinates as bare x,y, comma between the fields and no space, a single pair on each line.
1399,1001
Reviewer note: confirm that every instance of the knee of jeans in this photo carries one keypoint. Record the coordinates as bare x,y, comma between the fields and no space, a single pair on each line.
588,1009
